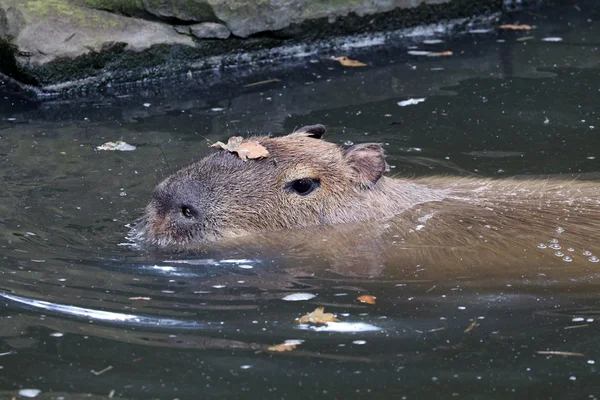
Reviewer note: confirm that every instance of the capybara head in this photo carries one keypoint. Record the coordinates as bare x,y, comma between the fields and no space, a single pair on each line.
303,182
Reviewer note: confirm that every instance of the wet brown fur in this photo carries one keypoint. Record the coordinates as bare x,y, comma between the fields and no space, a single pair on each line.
425,218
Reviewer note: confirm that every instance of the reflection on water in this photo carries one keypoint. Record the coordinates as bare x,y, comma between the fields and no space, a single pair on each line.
84,315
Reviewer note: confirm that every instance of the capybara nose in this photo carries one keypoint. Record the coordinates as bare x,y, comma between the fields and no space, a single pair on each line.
176,203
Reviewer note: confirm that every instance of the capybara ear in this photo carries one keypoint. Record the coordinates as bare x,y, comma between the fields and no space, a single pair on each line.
313,131
367,161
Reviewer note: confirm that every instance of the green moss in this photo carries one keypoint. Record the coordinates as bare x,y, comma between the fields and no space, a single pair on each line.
41,9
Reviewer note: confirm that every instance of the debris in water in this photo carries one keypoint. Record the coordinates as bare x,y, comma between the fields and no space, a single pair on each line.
446,53
288,345
140,298
410,102
118,145
29,392
347,62
317,317
560,353
552,39
102,371
419,52
472,326
299,297
513,27
367,299
262,82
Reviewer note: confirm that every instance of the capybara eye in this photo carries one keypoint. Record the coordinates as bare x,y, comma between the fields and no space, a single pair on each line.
304,186
187,212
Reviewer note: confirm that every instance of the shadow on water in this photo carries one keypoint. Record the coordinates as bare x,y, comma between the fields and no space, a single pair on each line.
84,313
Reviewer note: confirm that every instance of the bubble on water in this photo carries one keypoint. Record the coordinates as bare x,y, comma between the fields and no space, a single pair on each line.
348,143
555,246
587,253
571,249
591,362
567,259
593,259
553,240
541,246
559,254
560,230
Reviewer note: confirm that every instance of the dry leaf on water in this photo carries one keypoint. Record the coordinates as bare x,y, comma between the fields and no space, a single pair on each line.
346,62
317,317
440,54
366,299
282,347
245,149
514,27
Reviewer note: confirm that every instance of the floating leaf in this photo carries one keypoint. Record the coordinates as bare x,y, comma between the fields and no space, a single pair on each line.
514,27
347,62
440,54
368,299
282,347
245,149
118,145
317,317
288,345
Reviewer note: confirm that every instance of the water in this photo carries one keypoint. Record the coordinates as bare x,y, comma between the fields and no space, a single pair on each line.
83,315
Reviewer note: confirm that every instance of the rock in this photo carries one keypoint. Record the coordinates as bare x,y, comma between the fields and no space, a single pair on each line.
210,30
46,31
55,45
184,10
244,18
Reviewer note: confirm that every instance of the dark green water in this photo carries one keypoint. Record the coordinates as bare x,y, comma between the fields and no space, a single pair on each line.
70,323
